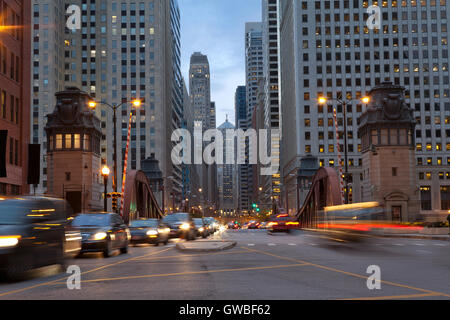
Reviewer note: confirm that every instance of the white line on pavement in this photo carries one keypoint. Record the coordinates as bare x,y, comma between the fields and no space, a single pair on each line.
271,244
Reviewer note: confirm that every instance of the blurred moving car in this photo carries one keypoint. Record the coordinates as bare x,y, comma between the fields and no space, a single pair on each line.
263,225
32,233
102,232
253,225
282,223
213,224
151,231
233,225
201,228
353,222
181,225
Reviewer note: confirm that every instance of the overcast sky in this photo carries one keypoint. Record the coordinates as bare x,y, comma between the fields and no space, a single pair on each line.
216,28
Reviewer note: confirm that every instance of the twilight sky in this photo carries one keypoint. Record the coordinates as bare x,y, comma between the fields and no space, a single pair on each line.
216,28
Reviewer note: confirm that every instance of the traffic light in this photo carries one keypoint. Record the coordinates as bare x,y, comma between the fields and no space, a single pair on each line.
115,199
254,205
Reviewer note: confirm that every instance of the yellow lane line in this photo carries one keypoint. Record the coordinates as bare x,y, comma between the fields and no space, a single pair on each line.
349,273
191,273
66,277
405,296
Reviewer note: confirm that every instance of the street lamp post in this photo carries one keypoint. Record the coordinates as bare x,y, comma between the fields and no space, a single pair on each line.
344,103
93,105
105,174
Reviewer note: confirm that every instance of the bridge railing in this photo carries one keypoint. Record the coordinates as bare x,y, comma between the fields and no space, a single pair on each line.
324,191
139,200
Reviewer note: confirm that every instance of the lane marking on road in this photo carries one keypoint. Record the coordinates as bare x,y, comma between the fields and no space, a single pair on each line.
67,276
399,244
405,296
271,244
192,273
206,254
251,244
292,244
350,273
440,244
419,244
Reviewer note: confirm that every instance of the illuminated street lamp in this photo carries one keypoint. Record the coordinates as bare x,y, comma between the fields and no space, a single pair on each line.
105,174
322,101
93,104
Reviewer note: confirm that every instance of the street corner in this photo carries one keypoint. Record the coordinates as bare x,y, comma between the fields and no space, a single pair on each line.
205,246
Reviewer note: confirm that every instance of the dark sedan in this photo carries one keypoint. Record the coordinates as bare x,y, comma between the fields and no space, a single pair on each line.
201,227
181,225
32,233
102,232
151,231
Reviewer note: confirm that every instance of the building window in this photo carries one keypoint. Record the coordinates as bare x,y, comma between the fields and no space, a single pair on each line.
425,198
68,141
58,141
76,141
445,197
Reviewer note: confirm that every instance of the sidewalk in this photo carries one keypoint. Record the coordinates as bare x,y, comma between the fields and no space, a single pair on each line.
205,245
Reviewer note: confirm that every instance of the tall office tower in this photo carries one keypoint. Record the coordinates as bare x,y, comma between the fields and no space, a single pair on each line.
327,49
212,174
48,71
272,114
190,182
124,51
240,102
200,92
200,88
226,174
254,71
15,64
254,62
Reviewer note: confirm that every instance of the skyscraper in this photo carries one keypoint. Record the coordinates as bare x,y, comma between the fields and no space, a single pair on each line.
15,60
226,174
204,115
123,51
272,116
328,50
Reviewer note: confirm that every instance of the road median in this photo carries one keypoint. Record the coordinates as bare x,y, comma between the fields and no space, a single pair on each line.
205,245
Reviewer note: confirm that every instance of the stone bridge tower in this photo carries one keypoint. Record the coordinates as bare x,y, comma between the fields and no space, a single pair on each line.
386,130
73,152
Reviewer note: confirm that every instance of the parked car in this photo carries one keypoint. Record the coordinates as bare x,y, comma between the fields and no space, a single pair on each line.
151,231
32,233
282,223
201,228
181,225
102,232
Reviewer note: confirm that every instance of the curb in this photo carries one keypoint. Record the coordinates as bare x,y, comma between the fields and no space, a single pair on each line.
230,244
414,237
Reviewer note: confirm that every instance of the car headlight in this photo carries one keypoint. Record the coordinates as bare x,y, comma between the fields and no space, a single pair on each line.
9,241
100,236
152,233
185,226
201,229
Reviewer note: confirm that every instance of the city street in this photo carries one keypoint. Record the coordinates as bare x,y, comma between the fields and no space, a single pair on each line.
299,265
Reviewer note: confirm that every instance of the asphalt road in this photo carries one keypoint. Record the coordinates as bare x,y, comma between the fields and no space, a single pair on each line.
261,266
